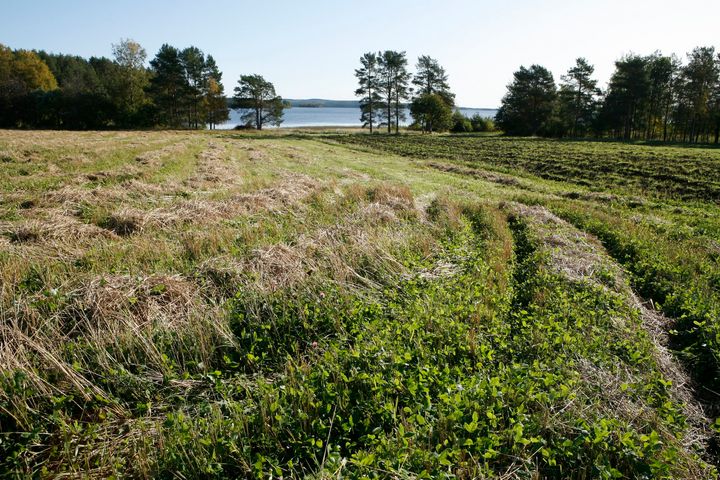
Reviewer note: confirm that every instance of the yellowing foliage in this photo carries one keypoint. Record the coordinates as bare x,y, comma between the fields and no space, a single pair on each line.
32,71
24,70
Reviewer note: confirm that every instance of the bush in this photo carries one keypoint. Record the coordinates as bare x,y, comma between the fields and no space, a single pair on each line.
482,124
460,123
431,112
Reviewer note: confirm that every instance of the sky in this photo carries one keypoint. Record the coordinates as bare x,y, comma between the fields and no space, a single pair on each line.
311,48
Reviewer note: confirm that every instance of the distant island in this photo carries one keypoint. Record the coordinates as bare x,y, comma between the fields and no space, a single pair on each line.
325,103
322,103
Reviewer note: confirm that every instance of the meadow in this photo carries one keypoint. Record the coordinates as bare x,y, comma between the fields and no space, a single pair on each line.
334,305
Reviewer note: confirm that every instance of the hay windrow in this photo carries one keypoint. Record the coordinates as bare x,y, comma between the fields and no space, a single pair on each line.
214,170
580,257
55,227
167,301
290,192
153,158
175,300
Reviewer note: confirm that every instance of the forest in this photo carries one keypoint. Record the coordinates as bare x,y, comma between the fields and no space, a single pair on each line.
181,88
652,97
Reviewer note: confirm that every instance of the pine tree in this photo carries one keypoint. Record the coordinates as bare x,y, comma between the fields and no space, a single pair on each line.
431,78
193,63
370,102
257,98
393,83
168,85
528,106
627,98
577,97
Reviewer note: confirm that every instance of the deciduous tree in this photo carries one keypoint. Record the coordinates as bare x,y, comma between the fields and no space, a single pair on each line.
132,80
701,76
32,73
431,112
215,105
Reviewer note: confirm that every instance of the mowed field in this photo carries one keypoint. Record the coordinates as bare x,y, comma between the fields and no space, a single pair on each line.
334,305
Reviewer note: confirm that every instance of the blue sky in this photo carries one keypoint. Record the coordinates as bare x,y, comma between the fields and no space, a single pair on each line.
311,48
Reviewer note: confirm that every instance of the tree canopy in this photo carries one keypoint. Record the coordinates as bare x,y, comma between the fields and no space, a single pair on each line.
256,97
385,88
368,90
529,103
180,89
431,112
431,78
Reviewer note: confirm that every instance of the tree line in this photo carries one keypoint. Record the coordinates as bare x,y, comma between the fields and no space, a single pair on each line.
651,97
180,88
386,86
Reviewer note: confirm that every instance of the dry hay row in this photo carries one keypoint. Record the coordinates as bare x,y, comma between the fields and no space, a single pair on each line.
152,158
333,250
214,170
290,192
60,228
119,315
112,311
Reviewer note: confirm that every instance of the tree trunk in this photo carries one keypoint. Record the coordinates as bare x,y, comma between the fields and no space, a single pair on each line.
370,104
577,110
397,112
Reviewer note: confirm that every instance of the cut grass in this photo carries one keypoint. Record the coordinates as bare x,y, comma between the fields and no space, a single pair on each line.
644,170
230,305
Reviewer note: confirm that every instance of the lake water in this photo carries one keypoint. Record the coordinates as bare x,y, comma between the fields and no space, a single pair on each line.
335,117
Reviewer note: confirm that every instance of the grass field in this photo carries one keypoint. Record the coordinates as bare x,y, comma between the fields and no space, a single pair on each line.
333,305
